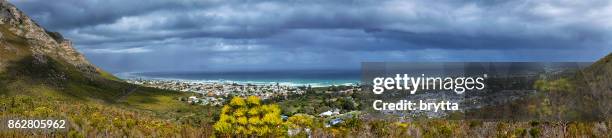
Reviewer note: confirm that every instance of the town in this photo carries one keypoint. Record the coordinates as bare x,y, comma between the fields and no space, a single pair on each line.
214,93
333,110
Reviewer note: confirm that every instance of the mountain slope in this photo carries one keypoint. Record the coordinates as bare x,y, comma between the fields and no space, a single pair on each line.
42,75
26,33
597,83
37,62
32,56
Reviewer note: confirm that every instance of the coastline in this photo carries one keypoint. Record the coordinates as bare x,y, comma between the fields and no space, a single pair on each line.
294,82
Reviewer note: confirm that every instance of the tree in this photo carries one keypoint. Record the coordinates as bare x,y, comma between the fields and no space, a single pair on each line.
557,91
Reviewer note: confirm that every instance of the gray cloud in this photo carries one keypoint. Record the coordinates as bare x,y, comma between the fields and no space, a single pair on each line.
142,35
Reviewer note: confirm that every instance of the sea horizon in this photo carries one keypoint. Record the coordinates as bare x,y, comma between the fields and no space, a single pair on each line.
313,78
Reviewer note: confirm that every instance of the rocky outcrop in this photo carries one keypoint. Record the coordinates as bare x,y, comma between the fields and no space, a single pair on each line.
41,43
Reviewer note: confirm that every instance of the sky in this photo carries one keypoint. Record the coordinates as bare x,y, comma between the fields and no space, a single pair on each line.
237,35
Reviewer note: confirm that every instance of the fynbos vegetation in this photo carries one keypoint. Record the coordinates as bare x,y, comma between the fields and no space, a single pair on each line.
249,117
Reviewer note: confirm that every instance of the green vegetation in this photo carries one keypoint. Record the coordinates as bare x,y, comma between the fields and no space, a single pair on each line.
595,82
316,102
556,92
534,132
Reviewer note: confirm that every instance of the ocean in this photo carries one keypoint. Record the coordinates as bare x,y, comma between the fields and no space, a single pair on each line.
314,78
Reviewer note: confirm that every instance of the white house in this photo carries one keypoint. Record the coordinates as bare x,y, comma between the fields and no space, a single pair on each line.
192,99
326,113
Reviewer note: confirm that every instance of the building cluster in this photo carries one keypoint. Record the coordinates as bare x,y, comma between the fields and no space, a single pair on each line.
214,101
211,93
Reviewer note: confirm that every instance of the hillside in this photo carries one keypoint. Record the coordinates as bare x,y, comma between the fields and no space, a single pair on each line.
599,74
42,75
31,55
597,82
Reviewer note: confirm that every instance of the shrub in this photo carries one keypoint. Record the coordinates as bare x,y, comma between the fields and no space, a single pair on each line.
534,132
248,117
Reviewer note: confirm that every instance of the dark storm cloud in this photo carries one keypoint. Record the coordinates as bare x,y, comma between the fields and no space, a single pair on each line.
70,14
233,34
